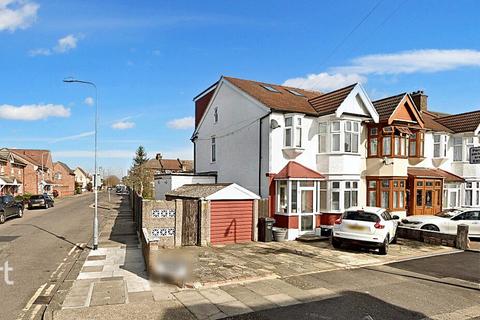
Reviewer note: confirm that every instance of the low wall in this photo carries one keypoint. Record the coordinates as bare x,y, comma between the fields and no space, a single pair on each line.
430,237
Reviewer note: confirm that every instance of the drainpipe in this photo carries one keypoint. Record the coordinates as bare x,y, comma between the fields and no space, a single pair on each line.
260,153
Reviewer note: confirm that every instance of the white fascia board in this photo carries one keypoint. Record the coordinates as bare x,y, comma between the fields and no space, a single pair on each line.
233,192
358,89
477,131
222,82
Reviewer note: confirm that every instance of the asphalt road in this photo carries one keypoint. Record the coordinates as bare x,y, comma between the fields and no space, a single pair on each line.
407,290
35,245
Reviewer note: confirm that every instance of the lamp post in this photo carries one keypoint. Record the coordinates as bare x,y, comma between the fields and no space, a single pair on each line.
95,217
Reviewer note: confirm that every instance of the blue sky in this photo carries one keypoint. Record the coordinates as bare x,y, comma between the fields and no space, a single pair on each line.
150,58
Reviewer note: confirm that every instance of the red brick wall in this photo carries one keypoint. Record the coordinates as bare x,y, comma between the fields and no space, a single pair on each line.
30,180
66,185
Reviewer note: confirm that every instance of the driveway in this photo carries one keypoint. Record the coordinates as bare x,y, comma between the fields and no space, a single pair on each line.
219,265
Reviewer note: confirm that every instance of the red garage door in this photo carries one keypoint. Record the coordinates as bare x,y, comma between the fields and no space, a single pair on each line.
231,221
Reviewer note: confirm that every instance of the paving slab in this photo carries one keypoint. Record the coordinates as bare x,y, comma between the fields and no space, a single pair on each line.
108,292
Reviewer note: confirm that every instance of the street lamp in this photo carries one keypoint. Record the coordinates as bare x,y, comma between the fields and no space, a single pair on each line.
95,218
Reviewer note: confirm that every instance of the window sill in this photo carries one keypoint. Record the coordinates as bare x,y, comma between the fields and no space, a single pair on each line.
293,152
339,153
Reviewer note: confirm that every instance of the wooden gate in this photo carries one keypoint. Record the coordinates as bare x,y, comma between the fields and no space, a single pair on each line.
190,223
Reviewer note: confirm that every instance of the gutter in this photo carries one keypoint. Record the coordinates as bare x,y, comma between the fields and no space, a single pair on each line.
260,153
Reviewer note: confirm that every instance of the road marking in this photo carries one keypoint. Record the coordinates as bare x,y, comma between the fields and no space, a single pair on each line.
35,311
72,250
49,289
34,297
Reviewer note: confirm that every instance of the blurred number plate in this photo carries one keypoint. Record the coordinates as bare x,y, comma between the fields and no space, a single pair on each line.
357,227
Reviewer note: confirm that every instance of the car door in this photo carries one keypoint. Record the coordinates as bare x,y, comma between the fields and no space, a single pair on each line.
470,218
10,208
390,223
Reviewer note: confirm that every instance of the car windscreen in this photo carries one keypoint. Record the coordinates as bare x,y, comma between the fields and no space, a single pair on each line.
360,216
36,197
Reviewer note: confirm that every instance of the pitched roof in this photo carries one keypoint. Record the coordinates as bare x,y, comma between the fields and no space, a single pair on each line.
32,155
82,171
65,166
169,164
329,102
386,106
197,190
296,170
432,124
421,172
283,100
5,153
463,122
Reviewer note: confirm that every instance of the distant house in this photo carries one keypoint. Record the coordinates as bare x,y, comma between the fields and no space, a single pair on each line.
64,179
82,178
160,165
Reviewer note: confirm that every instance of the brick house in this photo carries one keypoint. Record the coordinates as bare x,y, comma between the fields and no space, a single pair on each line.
12,173
64,179
161,165
38,171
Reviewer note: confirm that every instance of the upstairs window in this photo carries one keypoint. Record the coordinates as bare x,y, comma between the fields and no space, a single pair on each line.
351,136
214,149
322,138
373,142
335,130
293,132
416,144
439,146
457,149
468,145
58,176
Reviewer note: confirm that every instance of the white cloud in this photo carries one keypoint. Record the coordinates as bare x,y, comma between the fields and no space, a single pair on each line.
17,14
426,60
63,45
123,125
182,123
75,137
32,112
89,101
325,81
66,43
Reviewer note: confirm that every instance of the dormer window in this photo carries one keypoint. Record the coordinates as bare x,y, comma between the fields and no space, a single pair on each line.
215,115
293,132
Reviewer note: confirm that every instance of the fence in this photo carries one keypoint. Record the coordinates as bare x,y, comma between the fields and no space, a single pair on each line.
136,202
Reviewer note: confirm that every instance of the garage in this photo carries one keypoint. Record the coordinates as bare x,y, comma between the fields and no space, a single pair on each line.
227,211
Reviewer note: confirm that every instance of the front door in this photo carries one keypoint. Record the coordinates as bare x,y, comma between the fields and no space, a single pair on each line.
427,196
307,205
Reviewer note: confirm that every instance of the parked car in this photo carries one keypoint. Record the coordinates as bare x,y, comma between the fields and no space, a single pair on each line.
9,208
40,201
447,221
369,226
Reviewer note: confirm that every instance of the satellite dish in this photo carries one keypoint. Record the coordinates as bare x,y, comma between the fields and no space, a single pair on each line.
274,124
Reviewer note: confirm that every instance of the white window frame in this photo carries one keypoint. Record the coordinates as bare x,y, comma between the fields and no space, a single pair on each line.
468,188
296,131
457,143
350,132
336,133
213,149
352,188
469,143
335,190
322,137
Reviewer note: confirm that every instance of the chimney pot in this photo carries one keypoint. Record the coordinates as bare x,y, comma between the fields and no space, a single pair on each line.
158,156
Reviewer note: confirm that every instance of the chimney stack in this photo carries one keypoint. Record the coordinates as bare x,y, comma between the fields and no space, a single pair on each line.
420,100
158,156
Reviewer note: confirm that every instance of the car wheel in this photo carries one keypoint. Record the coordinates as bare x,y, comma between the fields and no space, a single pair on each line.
430,227
394,240
2,217
20,213
336,243
384,248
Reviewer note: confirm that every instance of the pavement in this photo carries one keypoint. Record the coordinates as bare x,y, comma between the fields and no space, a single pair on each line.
291,280
40,248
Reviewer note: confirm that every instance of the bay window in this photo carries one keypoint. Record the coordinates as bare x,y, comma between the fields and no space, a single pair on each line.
335,130
386,193
322,138
293,131
416,144
351,136
335,195
350,195
282,197
322,196
373,142
468,145
389,141
468,193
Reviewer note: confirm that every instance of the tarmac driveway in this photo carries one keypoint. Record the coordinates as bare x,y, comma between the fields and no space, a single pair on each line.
219,265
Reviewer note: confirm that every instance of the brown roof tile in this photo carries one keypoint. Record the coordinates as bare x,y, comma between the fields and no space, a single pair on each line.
463,122
33,155
169,164
386,106
329,102
432,124
283,100
421,172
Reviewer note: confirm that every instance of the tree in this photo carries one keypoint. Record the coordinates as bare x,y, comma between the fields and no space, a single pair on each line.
111,181
139,177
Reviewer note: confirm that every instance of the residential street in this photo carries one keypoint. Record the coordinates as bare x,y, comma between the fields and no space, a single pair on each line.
36,245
